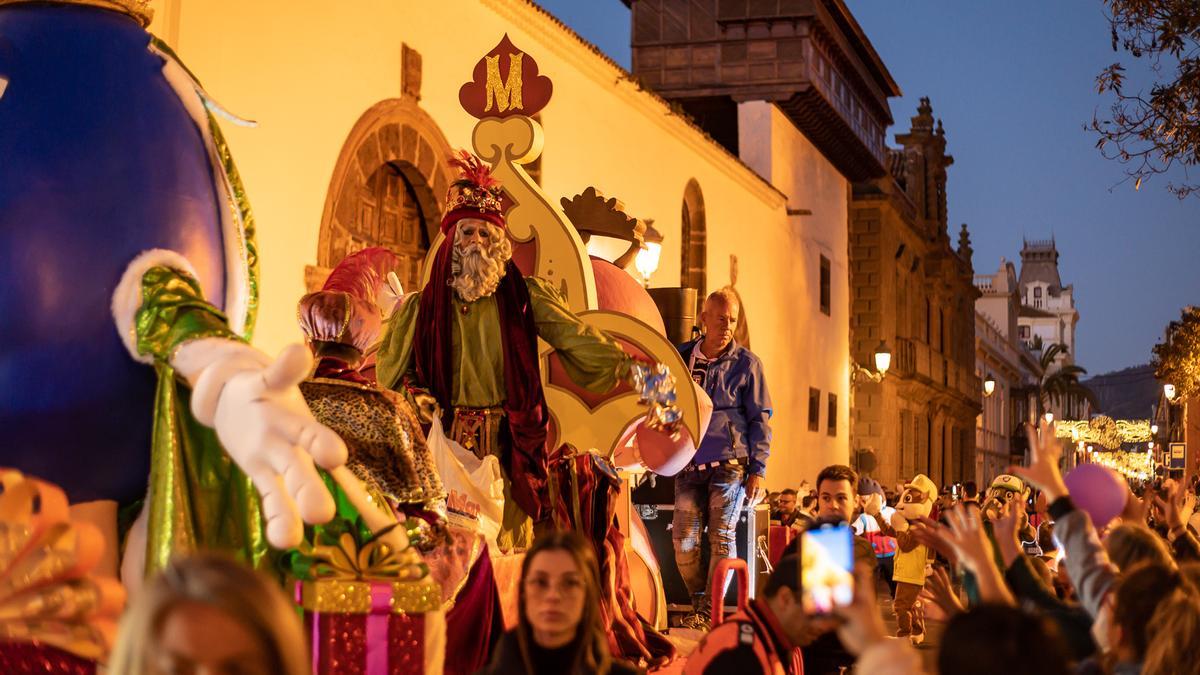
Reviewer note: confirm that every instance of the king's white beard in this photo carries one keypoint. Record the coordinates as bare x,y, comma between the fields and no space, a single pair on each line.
477,271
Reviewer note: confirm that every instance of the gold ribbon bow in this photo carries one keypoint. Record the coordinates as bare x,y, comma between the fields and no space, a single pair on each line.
343,575
374,561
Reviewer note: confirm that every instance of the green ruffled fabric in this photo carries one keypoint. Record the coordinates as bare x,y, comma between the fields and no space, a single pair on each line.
198,498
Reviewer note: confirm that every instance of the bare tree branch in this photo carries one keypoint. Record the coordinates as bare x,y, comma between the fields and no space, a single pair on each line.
1152,134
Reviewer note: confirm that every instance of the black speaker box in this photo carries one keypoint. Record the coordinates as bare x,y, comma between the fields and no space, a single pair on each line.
658,515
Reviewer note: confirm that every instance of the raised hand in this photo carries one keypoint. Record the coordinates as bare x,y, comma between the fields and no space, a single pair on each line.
970,541
862,624
1007,527
1177,507
931,533
968,538
264,424
940,591
1043,471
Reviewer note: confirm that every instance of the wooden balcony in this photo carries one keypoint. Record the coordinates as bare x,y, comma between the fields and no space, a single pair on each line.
915,360
808,56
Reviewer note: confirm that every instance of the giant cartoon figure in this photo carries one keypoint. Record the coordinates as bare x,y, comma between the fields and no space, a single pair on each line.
1004,489
915,502
909,566
119,201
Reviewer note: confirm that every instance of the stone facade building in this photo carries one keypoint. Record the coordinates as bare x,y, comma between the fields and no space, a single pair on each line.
1048,315
912,289
1004,359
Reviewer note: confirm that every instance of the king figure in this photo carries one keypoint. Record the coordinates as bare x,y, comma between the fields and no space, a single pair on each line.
469,340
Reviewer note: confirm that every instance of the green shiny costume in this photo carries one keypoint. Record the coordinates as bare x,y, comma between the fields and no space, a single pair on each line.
198,498
591,358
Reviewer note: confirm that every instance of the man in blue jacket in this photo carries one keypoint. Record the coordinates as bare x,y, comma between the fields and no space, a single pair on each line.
726,475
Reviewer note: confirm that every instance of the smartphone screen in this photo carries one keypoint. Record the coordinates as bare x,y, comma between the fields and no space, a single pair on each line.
827,568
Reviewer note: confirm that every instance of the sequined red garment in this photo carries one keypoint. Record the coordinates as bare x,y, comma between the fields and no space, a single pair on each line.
27,658
342,648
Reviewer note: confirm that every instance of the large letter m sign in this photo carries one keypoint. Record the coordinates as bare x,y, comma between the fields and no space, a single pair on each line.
506,94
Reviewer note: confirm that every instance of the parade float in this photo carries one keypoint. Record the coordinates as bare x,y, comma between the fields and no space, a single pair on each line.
129,380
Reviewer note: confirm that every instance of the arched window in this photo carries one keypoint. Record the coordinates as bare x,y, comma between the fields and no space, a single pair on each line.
694,242
1037,296
928,335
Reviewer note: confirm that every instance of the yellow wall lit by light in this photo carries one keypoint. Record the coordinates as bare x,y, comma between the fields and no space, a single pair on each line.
306,71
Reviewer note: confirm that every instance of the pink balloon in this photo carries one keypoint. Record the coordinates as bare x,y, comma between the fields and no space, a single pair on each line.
662,454
1098,491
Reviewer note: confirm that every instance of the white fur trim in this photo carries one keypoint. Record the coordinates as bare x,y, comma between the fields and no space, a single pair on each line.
237,266
127,299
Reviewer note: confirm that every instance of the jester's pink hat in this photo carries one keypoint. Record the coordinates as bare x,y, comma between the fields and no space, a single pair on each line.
348,312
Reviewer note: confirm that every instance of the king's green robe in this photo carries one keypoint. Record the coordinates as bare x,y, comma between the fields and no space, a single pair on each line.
591,358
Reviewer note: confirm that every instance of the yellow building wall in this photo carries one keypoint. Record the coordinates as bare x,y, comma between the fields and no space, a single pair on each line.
307,70
811,349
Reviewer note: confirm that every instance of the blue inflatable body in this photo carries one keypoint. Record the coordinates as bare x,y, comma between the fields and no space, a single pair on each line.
99,161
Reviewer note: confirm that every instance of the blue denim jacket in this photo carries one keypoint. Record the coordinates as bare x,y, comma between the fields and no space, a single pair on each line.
740,424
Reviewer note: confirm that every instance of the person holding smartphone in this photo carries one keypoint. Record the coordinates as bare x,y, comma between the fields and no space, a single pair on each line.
837,503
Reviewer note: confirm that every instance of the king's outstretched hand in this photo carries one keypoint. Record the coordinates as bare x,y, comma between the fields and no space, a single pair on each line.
261,419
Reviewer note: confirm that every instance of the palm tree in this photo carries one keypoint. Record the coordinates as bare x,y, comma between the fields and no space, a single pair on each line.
1061,384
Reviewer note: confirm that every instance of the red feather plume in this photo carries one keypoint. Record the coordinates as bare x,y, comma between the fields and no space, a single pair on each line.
361,274
473,171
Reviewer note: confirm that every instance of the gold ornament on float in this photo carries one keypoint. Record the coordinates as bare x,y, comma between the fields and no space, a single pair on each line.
508,138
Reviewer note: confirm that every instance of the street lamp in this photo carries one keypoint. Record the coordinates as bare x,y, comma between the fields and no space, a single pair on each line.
648,257
1169,391
1049,418
883,361
883,358
1154,429
989,386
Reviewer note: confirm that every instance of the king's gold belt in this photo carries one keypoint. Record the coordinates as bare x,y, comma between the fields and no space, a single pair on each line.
478,430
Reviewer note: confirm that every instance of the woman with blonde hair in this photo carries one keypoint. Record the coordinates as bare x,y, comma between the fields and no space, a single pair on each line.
559,628
1176,631
209,614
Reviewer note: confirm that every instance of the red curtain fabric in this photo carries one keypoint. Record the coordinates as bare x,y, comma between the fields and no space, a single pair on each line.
584,491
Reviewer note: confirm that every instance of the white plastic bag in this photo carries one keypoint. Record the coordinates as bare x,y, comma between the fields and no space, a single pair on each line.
475,486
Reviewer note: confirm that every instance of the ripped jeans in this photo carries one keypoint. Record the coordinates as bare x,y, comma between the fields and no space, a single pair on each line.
712,498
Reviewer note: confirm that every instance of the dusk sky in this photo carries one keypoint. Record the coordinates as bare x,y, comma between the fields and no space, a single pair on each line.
1014,83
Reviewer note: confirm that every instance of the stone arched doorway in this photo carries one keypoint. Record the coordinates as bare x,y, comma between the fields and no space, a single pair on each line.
386,190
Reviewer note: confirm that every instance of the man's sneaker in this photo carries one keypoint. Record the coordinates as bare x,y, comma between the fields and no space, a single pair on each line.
916,639
697,621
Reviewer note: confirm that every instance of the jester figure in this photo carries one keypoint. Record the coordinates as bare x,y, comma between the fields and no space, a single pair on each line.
469,340
129,292
342,323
